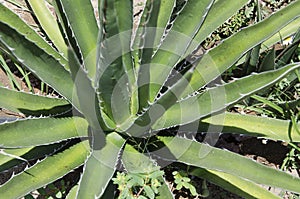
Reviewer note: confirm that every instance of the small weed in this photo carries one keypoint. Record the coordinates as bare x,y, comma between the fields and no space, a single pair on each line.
138,186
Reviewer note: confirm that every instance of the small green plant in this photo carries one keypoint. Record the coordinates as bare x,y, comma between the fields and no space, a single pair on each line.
182,180
141,186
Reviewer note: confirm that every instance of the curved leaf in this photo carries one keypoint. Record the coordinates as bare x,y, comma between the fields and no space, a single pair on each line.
136,162
34,132
7,155
44,172
217,60
205,156
114,61
271,128
288,30
85,98
46,67
81,25
49,24
12,20
28,103
218,98
234,184
186,25
220,11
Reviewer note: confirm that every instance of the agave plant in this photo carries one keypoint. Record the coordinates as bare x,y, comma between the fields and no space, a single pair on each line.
121,84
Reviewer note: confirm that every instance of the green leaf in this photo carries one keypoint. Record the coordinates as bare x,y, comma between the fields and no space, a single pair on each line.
164,15
100,166
49,24
164,191
184,28
219,59
39,152
287,54
85,98
271,128
220,11
81,25
288,30
12,20
34,132
218,98
37,60
177,85
149,192
7,155
114,66
72,192
139,163
145,34
268,103
136,162
234,184
204,156
268,62
44,172
31,104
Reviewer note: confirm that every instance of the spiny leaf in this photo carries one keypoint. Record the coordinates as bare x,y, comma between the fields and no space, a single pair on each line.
220,11
85,98
30,104
39,152
174,46
142,124
81,26
46,67
217,60
7,155
34,132
49,24
100,166
218,98
145,34
12,20
234,184
204,156
271,128
44,173
114,62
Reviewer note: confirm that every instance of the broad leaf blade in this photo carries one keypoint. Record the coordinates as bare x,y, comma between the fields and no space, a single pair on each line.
46,67
220,11
49,24
81,25
234,184
44,173
218,98
12,20
205,156
219,59
271,128
85,98
100,166
174,46
30,104
115,79
34,132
